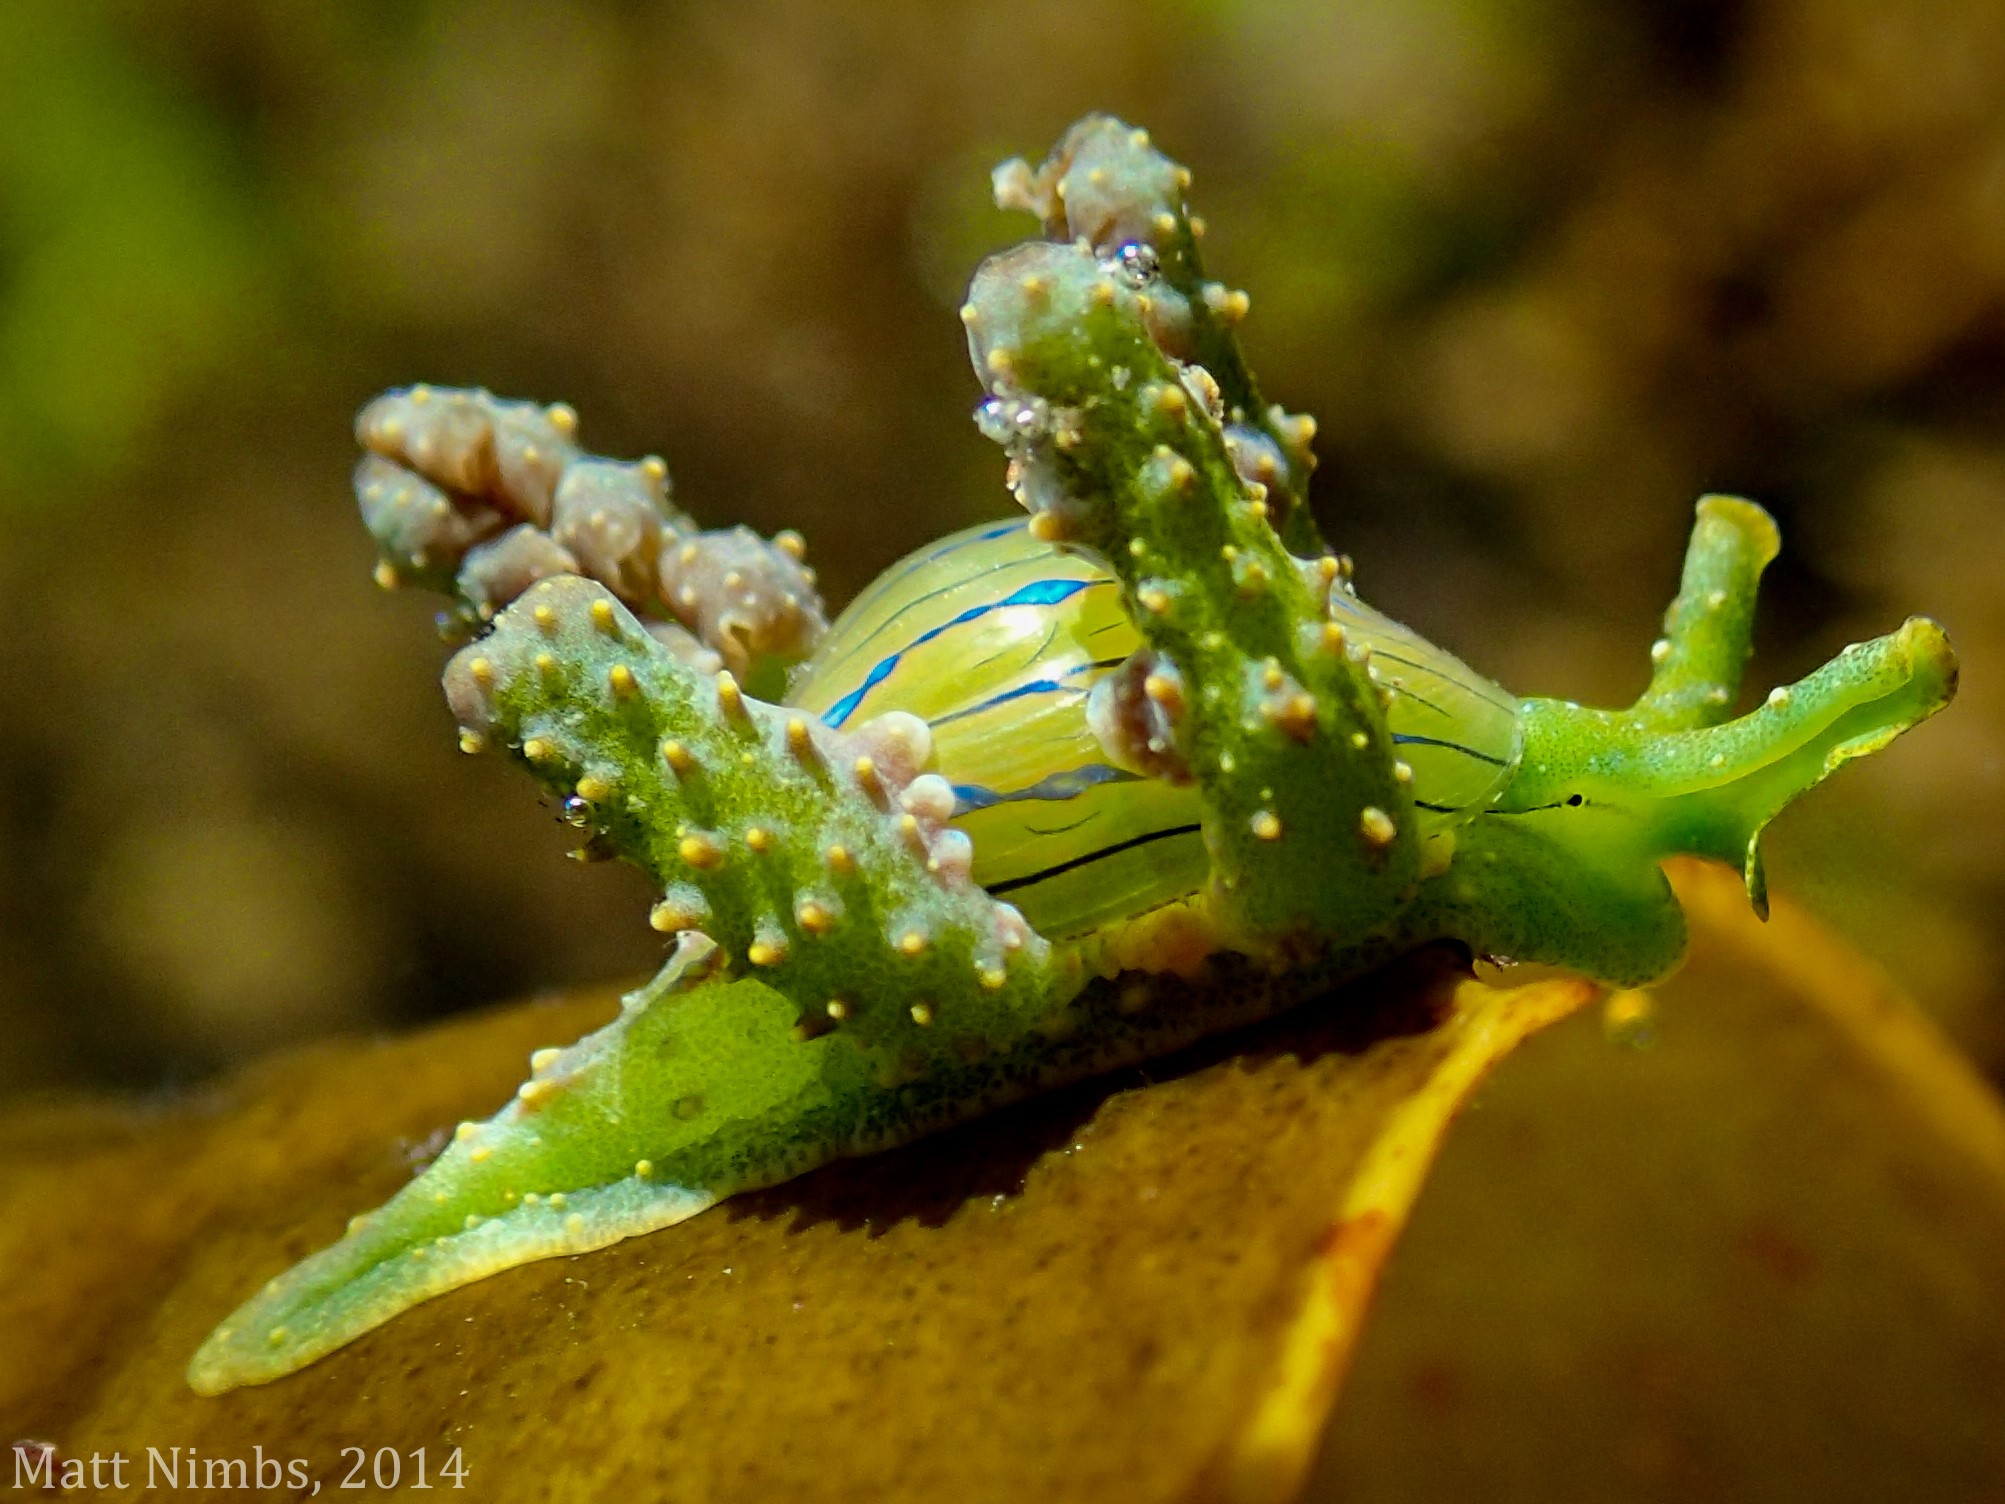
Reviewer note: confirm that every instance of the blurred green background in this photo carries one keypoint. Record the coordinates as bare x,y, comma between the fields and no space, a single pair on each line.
1544,269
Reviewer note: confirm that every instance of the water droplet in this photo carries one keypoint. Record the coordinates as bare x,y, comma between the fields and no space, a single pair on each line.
992,418
1137,263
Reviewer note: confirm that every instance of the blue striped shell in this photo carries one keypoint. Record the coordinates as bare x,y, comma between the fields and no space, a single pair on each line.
995,639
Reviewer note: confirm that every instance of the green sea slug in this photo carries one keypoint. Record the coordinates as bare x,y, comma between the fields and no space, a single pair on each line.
1052,796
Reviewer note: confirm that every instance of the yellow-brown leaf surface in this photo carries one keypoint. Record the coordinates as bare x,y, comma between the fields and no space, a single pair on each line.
1144,1289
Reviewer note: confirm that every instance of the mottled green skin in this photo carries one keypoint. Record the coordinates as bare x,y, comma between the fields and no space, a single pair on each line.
1137,474
797,1020
546,681
1107,185
1566,871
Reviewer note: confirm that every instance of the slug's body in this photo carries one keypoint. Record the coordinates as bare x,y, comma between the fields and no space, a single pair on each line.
998,640
1052,796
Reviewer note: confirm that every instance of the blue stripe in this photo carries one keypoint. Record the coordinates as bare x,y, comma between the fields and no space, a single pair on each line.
839,711
1044,593
1037,593
834,668
1034,687
969,797
947,546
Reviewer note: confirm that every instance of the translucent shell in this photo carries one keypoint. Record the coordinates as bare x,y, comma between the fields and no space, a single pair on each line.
995,638
1459,732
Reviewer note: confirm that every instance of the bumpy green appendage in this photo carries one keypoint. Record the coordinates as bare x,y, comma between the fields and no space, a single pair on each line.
480,498
1106,183
888,994
1563,868
1246,686
1710,792
1709,631
821,859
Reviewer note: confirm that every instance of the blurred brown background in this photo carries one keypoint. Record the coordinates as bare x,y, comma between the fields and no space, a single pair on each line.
1545,270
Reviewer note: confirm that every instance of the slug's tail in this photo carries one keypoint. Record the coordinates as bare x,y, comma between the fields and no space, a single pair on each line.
700,1089
586,1154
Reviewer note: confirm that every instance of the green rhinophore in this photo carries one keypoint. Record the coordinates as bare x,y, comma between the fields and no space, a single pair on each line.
1052,796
